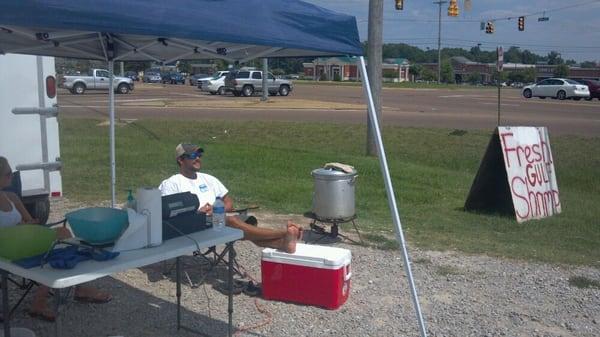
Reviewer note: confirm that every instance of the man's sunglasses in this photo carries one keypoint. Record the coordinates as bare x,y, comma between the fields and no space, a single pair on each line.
192,155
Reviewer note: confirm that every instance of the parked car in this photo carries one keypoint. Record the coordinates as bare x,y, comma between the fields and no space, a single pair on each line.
594,87
96,79
194,78
133,75
560,88
216,85
247,82
173,78
208,78
151,77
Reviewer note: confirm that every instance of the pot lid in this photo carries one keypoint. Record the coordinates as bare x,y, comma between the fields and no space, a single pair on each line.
330,173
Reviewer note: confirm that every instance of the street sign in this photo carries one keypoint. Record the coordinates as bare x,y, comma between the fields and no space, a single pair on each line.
500,62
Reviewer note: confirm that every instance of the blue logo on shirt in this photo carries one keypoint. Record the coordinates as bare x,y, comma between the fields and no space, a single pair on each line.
203,188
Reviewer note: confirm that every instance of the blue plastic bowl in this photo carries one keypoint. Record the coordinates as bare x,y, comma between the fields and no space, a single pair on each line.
98,225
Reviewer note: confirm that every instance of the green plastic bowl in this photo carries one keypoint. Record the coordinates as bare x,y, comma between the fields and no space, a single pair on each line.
98,225
22,241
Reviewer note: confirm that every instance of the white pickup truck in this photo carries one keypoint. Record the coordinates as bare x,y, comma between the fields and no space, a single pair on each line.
96,79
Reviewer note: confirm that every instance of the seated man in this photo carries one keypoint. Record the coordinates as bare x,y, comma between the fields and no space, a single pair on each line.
207,188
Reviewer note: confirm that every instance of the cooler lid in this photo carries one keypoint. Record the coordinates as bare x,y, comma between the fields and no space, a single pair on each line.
310,256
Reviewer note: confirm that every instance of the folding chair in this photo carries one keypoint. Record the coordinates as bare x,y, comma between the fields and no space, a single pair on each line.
213,258
24,284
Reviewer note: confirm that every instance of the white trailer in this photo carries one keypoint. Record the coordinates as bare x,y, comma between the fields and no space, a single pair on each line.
29,128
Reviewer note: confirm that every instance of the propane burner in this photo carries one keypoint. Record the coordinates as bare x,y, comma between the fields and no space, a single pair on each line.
318,226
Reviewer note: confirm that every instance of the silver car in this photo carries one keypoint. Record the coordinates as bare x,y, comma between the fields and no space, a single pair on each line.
216,85
560,88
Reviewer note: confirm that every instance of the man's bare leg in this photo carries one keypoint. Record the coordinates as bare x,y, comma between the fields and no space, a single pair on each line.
282,239
253,233
286,244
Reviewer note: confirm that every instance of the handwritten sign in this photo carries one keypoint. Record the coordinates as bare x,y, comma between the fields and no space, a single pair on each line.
516,175
530,171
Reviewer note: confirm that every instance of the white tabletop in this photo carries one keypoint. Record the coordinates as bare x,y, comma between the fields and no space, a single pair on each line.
90,270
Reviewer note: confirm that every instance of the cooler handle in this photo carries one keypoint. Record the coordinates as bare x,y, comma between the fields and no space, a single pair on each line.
347,273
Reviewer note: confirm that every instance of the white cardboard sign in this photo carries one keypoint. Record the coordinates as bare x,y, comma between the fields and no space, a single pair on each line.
530,171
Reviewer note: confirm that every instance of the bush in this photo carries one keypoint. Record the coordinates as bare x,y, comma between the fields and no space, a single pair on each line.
323,77
337,78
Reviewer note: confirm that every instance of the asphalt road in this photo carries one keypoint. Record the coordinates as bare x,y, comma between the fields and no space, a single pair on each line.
459,109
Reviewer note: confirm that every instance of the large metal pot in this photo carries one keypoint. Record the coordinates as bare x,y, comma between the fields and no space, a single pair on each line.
333,196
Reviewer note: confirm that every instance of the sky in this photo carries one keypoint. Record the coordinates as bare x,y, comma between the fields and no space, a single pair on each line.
572,32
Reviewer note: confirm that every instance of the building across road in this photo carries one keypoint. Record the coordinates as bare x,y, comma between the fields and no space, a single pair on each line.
463,68
346,69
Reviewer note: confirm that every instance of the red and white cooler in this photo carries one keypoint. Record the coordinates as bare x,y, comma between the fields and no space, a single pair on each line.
313,275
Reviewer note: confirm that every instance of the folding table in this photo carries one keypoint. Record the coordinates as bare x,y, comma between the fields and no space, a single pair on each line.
90,270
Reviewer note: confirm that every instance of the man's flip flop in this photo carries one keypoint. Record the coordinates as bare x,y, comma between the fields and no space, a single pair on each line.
253,290
223,287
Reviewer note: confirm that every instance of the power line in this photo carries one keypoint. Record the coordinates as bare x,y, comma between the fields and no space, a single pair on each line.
512,43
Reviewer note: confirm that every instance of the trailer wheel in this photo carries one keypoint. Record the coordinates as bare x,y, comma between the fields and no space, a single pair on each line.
39,208
79,88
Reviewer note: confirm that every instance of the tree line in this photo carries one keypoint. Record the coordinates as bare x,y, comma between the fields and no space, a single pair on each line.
415,55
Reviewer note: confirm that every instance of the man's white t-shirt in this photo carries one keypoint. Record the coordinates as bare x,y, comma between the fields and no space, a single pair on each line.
206,187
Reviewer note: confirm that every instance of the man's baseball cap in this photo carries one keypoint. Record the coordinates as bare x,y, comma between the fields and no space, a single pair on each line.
185,148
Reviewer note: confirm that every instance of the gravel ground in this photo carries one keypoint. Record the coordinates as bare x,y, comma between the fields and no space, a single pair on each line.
460,295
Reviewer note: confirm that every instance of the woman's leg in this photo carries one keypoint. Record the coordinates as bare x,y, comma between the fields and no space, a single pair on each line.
39,306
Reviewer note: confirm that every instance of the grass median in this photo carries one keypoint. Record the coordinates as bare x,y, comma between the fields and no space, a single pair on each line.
402,85
269,164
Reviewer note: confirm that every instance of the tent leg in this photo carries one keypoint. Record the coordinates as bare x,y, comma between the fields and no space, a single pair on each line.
111,100
390,193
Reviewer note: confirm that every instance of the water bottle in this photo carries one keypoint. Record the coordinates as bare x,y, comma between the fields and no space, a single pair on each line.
218,215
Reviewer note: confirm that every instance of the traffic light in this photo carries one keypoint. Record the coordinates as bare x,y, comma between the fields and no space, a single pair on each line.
453,8
399,5
521,23
489,27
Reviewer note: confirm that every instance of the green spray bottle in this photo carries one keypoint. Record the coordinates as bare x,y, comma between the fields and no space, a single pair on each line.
131,203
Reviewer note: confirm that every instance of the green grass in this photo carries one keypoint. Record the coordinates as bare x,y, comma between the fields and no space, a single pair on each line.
583,282
269,164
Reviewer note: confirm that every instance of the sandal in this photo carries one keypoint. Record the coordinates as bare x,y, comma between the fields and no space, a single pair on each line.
44,315
92,296
253,290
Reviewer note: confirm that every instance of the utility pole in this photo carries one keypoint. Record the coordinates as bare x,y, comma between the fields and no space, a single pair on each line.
440,3
265,85
374,67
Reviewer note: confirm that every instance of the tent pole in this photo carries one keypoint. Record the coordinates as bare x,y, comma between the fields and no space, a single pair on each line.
111,100
390,193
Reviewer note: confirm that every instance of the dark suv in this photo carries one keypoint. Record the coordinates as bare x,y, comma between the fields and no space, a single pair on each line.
133,75
173,78
594,87
247,82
